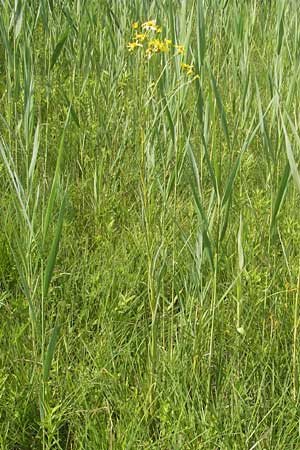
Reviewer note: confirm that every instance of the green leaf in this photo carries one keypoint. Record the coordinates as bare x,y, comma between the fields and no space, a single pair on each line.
18,19
220,109
195,186
233,173
291,159
201,43
55,182
280,20
58,49
240,245
34,153
50,352
282,190
53,251
6,42
73,113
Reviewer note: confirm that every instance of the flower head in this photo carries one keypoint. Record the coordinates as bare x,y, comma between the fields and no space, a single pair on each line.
135,25
150,26
148,53
140,37
179,48
189,69
167,44
133,46
157,46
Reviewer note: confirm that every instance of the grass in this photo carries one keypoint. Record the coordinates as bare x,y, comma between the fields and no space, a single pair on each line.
150,234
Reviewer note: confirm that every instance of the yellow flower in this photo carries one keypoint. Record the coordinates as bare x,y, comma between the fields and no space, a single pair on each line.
167,44
149,53
158,46
180,49
155,46
150,25
135,25
133,46
189,69
140,37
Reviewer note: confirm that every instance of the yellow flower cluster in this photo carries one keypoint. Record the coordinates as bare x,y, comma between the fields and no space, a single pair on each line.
146,37
180,49
157,46
151,26
189,69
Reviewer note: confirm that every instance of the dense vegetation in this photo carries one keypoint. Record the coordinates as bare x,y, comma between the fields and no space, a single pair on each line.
150,226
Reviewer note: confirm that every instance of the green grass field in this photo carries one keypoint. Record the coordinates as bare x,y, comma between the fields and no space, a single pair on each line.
150,224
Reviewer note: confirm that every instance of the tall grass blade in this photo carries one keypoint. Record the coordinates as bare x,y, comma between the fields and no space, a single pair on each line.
58,49
55,183
280,21
34,154
291,158
240,245
201,43
15,183
195,186
50,353
6,42
281,194
54,249
251,134
18,18
220,109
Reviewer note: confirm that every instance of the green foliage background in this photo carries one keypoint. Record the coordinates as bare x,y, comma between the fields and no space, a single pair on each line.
149,245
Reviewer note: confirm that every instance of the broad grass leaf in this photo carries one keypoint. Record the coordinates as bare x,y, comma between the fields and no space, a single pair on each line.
58,49
53,250
50,352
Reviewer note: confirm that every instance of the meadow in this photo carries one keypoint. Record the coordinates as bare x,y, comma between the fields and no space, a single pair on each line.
150,224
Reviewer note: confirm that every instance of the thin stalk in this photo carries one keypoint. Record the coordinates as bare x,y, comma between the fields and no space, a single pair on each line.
295,340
